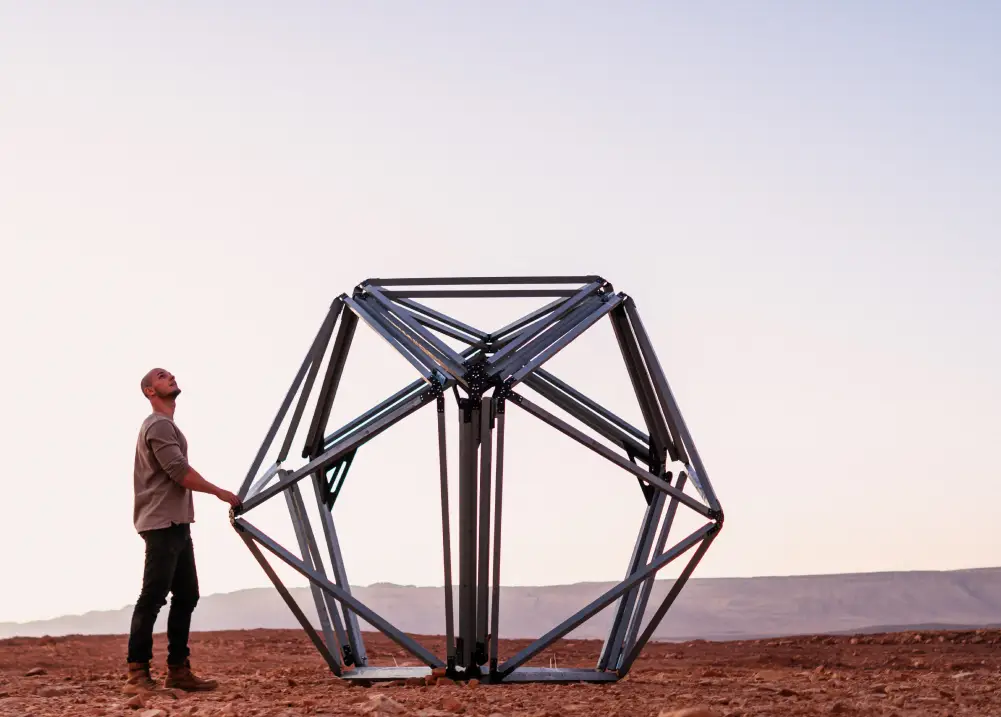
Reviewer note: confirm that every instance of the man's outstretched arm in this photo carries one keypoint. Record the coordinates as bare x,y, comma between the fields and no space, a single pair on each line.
167,450
192,480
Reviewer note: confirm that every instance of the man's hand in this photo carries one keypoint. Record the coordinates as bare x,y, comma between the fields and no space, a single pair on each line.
227,497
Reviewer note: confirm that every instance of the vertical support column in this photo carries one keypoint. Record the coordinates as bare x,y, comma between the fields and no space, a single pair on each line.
498,494
446,538
483,577
356,653
641,553
469,413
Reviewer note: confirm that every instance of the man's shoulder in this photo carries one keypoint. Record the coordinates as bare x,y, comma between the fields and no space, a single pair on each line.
160,421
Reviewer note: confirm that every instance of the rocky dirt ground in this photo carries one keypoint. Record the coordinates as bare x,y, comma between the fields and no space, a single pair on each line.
275,673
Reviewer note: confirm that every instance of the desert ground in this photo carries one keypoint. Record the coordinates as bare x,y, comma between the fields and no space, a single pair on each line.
277,673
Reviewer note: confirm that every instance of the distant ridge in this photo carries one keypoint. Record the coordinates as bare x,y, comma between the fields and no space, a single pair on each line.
708,608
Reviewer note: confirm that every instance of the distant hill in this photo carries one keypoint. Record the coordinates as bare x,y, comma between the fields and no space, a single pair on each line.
709,608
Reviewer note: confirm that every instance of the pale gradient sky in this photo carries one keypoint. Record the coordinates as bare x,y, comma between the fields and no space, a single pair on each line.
801,198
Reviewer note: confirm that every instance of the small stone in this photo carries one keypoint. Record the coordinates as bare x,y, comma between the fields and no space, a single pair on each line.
879,689
439,672
53,690
473,683
690,712
136,702
154,713
450,704
415,682
35,672
839,707
378,705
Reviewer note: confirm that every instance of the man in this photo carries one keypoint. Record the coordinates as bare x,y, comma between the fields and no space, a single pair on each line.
163,483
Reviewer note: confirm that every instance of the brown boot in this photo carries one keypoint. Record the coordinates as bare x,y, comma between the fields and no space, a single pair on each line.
181,677
139,679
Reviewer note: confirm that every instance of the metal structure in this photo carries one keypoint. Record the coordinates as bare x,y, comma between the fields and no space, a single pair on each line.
484,379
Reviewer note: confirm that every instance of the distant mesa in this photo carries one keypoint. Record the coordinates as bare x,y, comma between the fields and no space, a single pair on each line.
708,608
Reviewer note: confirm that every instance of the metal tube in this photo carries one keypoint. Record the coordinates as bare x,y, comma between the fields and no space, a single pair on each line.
467,533
319,348
452,359
446,534
700,477
265,477
328,657
475,293
566,388
406,392
338,449
498,495
665,606
280,416
484,280
647,589
424,369
612,433
612,648
586,440
447,330
562,342
328,389
499,336
535,337
659,437
311,558
366,613
409,391
572,303
355,642
483,578
603,601
544,338
443,318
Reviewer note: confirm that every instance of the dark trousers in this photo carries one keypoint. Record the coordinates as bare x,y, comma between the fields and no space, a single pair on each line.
170,567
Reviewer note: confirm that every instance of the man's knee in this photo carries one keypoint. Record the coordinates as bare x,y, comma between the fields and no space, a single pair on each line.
185,599
152,597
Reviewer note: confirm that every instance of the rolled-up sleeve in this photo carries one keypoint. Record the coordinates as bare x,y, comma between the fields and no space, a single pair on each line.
163,441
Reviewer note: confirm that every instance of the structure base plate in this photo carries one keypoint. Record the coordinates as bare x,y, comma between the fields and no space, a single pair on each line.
368,675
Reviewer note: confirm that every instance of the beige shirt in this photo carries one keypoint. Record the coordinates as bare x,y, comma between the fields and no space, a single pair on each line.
161,463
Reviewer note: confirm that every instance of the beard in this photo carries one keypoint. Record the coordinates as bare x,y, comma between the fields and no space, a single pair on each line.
173,393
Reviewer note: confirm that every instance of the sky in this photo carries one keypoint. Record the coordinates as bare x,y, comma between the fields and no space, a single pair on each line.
800,198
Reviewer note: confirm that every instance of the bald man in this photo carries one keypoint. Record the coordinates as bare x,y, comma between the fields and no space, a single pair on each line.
163,512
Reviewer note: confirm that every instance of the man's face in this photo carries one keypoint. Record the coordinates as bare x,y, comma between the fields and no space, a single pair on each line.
163,383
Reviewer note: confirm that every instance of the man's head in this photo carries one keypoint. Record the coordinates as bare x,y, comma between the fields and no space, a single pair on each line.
159,383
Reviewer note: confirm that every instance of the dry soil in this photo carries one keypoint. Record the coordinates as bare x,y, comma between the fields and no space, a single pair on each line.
276,673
